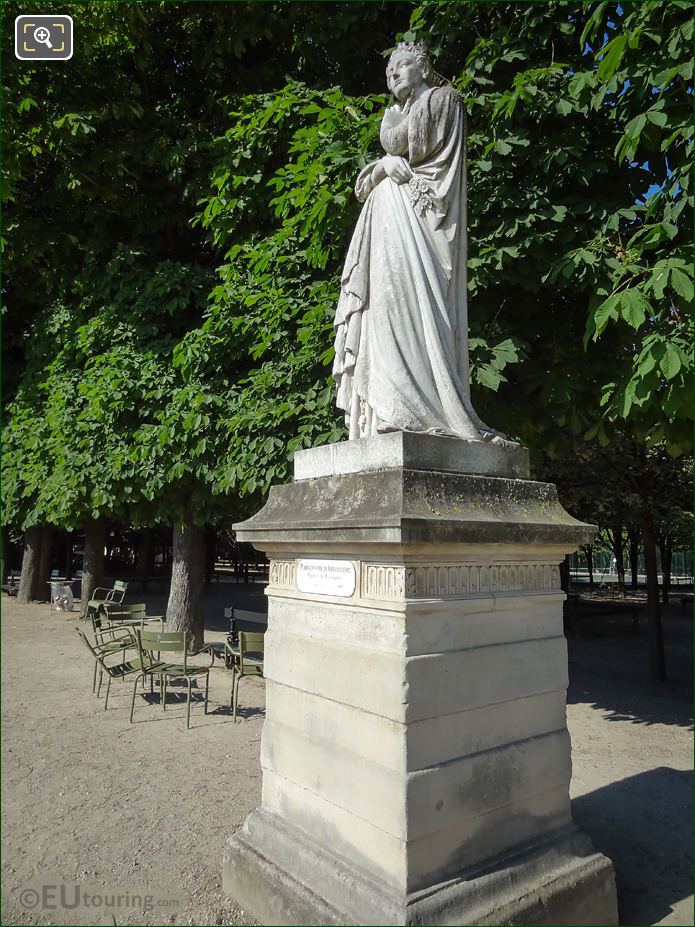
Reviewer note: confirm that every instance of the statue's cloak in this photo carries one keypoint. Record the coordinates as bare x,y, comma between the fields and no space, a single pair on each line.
401,353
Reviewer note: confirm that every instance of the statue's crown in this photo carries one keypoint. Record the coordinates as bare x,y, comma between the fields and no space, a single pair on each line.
415,48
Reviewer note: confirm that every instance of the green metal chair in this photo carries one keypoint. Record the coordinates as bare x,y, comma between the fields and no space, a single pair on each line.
117,614
111,620
246,660
112,671
101,594
151,645
110,640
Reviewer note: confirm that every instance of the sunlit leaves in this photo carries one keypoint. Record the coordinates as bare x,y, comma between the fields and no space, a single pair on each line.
610,57
182,359
488,361
271,314
565,247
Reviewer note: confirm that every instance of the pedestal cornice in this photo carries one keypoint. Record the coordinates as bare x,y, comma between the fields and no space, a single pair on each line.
404,506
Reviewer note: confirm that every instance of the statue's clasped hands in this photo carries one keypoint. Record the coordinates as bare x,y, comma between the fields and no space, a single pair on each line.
396,168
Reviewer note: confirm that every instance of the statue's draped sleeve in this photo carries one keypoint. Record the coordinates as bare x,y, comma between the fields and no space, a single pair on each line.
365,182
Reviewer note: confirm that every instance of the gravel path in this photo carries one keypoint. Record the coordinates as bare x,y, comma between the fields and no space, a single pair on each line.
143,810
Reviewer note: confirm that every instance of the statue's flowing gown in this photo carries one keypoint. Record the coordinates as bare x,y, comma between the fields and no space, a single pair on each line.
401,357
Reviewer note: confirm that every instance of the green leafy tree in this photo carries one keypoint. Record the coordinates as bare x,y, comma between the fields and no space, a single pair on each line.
176,221
577,111
107,274
626,485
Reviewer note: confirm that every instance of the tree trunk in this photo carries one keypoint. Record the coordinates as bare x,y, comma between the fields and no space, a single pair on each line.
42,589
31,564
633,549
93,565
5,553
145,555
666,551
185,606
619,551
67,563
211,553
656,641
589,551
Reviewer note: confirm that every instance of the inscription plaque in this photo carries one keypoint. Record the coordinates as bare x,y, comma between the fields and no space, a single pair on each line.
326,577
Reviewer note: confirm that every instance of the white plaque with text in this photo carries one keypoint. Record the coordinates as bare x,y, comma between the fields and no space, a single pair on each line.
326,577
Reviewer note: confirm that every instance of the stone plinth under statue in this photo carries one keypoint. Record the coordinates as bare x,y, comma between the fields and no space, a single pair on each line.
415,754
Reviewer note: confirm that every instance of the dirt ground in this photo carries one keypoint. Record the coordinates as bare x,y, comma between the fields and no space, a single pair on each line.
95,808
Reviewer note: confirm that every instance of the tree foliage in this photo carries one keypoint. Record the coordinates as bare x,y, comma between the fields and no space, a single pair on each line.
580,208
177,215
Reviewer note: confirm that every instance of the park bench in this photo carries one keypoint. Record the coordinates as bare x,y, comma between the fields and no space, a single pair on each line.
239,620
245,620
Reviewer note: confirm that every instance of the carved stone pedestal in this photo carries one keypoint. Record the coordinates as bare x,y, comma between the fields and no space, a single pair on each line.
415,754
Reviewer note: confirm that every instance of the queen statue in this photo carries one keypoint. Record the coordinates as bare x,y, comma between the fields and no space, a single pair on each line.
401,345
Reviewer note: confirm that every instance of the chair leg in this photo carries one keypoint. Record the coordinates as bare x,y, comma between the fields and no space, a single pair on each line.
108,689
101,674
188,704
135,689
235,696
207,688
163,691
151,684
94,680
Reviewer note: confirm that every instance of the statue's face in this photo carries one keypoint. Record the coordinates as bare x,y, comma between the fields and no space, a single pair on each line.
403,75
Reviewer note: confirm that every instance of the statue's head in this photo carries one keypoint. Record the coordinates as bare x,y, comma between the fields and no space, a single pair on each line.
409,66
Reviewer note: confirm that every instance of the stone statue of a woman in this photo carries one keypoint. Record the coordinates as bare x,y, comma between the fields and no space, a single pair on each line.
401,350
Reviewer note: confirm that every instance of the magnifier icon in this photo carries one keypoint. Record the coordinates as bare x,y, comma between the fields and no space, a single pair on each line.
42,35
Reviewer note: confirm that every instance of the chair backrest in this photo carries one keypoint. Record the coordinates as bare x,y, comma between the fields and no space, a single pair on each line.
114,670
117,591
116,610
251,646
155,642
97,624
97,656
101,629
83,637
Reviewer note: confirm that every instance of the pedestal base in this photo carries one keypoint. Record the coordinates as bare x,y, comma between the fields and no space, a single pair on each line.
415,753
275,870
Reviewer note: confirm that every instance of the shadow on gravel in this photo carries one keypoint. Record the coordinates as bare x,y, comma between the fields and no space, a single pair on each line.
612,674
643,824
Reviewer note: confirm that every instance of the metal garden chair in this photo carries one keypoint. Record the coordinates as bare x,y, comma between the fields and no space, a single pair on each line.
119,615
151,645
110,620
246,660
101,594
112,671
110,640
